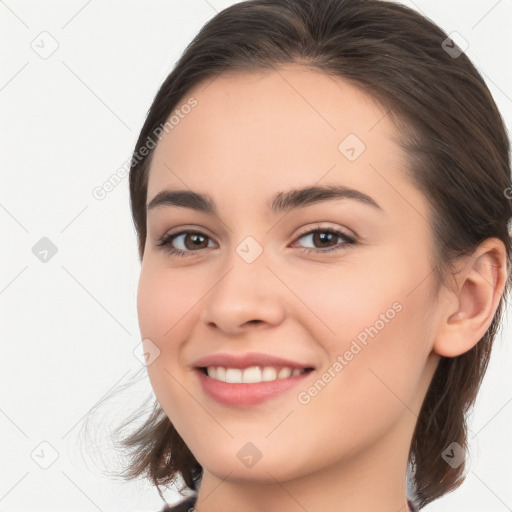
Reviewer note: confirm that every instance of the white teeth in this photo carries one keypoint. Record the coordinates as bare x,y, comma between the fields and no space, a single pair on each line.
252,374
221,373
234,375
269,373
212,372
284,373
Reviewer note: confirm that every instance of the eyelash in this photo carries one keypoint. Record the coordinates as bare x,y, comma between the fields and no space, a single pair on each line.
165,241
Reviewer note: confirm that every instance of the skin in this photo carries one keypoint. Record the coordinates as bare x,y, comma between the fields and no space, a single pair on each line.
250,136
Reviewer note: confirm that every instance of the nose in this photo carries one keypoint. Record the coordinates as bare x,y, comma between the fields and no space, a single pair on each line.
247,295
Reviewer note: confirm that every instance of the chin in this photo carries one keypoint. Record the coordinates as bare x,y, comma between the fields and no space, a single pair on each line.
243,462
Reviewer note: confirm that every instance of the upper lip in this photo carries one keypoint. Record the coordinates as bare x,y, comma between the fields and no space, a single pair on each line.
246,360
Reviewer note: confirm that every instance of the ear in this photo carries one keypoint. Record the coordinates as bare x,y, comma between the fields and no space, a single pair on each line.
469,311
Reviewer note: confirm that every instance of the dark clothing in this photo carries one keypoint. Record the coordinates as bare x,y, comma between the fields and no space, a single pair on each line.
183,506
188,506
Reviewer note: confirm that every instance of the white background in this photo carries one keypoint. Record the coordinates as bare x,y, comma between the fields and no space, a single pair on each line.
69,326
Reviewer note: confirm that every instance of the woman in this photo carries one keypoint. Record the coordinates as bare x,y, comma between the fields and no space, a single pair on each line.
320,197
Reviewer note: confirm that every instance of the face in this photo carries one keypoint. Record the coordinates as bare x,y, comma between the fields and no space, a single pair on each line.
337,287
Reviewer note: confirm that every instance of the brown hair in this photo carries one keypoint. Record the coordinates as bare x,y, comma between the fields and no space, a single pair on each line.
458,155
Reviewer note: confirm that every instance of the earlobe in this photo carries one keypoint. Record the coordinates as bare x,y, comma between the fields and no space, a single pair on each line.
472,306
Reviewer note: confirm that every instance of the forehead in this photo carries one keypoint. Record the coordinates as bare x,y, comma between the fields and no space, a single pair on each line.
258,132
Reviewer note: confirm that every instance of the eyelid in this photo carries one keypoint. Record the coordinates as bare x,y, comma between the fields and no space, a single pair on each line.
304,231
185,229
321,225
165,241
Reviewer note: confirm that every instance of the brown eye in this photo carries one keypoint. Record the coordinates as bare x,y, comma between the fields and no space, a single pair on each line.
187,242
326,238
195,241
323,238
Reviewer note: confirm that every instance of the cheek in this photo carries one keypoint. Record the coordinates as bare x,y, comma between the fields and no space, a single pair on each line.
165,308
165,301
341,303
377,321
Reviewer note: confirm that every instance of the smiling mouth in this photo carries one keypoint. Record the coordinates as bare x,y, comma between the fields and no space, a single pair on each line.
252,374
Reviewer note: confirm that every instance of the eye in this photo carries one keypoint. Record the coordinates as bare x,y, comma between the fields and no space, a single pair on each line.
190,242
326,238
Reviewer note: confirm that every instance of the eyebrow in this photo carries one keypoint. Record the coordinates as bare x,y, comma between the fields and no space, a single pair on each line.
281,202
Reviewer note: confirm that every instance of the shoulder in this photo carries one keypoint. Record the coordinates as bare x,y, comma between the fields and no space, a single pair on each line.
183,506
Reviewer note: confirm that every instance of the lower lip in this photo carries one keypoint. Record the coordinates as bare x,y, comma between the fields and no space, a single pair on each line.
247,393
